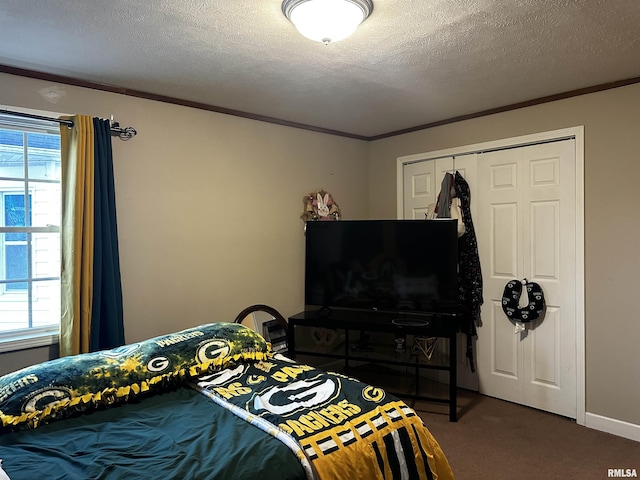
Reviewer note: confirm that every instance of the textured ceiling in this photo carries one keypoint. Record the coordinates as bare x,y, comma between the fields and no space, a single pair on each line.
412,62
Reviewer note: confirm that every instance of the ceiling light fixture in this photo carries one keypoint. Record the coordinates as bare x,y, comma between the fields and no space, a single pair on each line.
327,20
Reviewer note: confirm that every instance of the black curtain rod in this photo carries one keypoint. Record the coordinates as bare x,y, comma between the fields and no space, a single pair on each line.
125,133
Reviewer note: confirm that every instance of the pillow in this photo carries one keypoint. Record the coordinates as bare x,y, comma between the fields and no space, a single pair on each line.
59,388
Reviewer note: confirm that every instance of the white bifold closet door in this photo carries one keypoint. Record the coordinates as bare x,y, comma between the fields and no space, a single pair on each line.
527,211
523,205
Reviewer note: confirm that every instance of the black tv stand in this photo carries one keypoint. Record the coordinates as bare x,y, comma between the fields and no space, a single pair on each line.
344,336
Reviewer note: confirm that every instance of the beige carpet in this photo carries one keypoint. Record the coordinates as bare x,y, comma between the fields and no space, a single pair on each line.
498,440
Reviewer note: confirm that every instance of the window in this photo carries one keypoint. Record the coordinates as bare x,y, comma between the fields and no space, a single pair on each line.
30,215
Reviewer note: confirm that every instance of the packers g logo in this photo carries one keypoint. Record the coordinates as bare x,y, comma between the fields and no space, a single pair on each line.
46,398
223,377
213,350
373,394
285,400
255,379
158,364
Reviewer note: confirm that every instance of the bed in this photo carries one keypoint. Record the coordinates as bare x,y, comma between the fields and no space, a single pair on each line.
209,402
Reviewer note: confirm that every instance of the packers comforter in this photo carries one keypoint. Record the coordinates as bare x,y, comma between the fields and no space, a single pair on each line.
208,402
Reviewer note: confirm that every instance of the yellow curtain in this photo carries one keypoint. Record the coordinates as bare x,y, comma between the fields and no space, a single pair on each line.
77,234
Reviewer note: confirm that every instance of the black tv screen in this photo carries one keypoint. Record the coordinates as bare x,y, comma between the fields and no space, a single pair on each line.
382,265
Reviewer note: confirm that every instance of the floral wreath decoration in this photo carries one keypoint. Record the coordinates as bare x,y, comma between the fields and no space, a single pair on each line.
320,205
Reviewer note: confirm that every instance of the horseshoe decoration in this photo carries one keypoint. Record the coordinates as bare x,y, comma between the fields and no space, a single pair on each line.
511,301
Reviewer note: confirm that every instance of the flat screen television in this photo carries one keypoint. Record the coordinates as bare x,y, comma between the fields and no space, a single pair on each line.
382,265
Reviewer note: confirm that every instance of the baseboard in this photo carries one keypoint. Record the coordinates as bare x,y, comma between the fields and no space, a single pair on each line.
613,426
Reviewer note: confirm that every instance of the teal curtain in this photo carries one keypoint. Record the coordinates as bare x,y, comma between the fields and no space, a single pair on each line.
107,324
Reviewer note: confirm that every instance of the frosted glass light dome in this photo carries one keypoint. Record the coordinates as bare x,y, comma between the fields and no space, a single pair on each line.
327,20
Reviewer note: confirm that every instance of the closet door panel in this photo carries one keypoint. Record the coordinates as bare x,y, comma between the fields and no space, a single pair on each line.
500,248
503,241
420,189
545,355
545,240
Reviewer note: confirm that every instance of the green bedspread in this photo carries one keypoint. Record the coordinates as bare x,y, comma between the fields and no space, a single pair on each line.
178,435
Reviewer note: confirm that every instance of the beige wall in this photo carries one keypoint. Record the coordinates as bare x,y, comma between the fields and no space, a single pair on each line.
612,223
208,207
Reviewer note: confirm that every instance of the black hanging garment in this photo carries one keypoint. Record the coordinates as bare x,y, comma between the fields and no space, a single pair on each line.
469,273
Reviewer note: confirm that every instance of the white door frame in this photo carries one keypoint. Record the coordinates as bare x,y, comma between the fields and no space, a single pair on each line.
576,133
